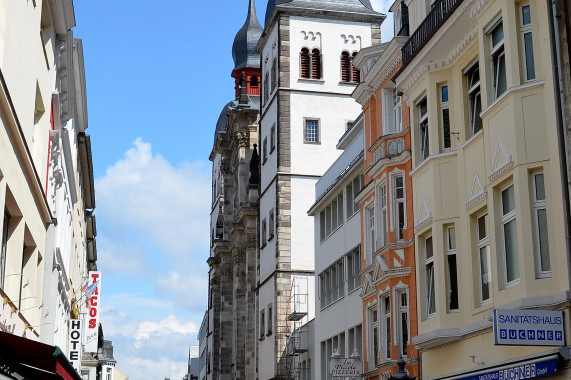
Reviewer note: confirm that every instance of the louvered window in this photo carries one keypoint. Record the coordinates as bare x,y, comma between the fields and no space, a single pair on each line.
315,64
305,63
345,67
356,74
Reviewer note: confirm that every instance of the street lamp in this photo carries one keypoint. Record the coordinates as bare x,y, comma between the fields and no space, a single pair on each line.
401,373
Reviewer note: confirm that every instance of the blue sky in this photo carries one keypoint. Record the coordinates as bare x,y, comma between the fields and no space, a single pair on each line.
157,76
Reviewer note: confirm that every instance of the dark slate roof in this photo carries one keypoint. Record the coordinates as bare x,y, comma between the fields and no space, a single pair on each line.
351,6
222,123
244,48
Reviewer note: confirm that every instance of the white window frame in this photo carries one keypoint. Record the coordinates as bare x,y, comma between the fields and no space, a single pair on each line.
373,334
506,219
525,29
369,222
445,109
263,232
354,269
484,248
262,324
423,132
401,308
497,53
395,202
429,274
386,328
270,320
540,205
382,223
313,137
271,225
451,252
397,110
474,97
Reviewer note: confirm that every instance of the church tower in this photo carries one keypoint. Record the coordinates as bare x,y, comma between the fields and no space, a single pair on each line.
231,335
306,49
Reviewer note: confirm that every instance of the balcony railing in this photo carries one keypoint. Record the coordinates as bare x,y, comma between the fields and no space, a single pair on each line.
440,11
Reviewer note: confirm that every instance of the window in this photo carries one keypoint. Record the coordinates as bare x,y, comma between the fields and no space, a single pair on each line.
265,150
335,344
273,138
311,132
274,74
352,190
332,217
262,324
498,57
383,215
445,118
270,320
355,340
484,258
399,207
452,269
474,98
391,105
402,320
4,247
422,108
272,224
510,235
526,42
429,273
254,81
354,269
349,73
370,233
540,217
386,326
332,284
263,232
266,86
373,336
310,64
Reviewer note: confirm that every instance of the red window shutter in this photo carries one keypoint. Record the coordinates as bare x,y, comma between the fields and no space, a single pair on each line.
356,73
304,63
345,67
315,64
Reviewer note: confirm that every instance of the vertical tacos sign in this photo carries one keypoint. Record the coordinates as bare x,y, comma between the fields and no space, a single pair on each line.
92,315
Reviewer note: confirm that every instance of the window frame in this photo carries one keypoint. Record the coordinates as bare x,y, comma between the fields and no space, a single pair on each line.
445,110
402,309
540,205
263,237
262,324
354,269
430,306
317,132
269,329
526,29
506,219
271,225
370,246
497,54
423,131
272,138
483,245
383,221
4,246
386,319
373,329
452,281
474,95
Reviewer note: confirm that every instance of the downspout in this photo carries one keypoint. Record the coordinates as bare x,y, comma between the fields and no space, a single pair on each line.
561,133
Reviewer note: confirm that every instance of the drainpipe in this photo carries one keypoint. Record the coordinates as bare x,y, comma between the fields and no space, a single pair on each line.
561,135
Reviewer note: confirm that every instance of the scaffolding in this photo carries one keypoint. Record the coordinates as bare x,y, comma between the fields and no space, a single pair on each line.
297,328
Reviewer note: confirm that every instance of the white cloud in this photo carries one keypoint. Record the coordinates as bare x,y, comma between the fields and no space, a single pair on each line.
152,369
181,287
168,325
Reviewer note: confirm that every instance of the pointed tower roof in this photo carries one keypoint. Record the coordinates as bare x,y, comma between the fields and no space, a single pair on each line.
350,6
244,48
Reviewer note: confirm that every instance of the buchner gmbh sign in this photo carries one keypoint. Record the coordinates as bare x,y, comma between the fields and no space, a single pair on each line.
345,367
528,327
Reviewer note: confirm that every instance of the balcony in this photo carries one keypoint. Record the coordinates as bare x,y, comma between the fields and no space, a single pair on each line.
439,13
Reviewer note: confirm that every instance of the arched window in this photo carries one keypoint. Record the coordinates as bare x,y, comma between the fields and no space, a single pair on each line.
315,64
274,74
345,67
254,81
304,61
349,73
356,73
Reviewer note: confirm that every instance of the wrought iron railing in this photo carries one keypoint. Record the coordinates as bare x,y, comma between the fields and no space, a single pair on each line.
440,11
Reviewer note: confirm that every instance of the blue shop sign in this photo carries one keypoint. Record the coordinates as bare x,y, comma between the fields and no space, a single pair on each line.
529,327
519,372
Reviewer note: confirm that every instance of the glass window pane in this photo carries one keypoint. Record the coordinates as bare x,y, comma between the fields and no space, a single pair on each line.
446,128
482,227
452,238
444,91
525,15
452,283
508,200
543,240
529,62
428,247
539,187
497,34
501,75
510,241
485,272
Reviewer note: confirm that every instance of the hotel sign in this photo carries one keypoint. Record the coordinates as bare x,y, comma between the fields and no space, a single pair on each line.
75,344
349,367
528,327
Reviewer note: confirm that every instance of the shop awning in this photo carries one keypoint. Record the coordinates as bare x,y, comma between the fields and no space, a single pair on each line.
34,360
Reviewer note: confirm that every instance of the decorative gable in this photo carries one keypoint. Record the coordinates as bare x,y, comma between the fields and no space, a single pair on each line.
502,161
